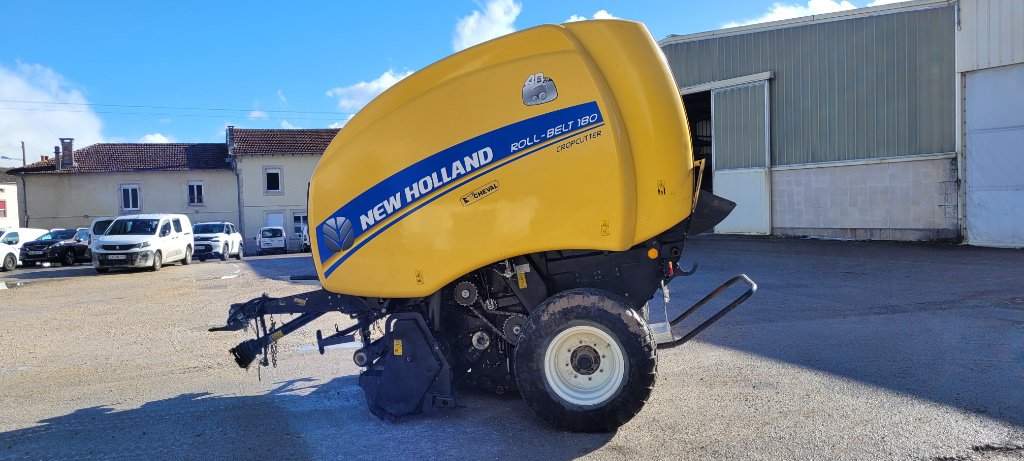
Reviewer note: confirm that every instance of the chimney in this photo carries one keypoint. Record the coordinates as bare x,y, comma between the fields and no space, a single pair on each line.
229,136
67,154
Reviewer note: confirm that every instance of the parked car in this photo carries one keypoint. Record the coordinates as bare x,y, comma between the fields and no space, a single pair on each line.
66,246
8,257
217,239
99,227
17,236
146,240
272,239
305,239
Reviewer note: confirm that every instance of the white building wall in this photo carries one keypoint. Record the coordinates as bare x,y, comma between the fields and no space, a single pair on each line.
74,199
990,33
9,195
296,171
882,200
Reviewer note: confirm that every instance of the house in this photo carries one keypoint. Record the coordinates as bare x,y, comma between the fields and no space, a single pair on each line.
111,179
895,122
273,169
8,200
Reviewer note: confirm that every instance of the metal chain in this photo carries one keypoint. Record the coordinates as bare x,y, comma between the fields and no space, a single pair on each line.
490,325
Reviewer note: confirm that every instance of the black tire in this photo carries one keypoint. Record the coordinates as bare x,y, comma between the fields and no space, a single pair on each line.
68,259
188,256
585,313
158,262
10,263
103,270
224,252
241,252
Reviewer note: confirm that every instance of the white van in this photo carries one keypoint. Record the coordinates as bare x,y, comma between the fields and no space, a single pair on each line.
145,240
272,239
99,227
16,236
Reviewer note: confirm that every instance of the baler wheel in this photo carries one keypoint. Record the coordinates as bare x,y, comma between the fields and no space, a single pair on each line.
586,361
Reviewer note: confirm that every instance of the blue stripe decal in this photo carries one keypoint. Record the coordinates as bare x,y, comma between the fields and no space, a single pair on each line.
352,251
455,165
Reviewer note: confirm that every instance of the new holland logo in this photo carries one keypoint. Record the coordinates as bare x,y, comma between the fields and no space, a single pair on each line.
479,193
337,234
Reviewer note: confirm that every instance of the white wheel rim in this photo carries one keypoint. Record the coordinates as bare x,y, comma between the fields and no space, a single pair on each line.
584,365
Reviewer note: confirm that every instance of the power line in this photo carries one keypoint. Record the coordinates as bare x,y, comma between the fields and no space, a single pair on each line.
39,109
142,106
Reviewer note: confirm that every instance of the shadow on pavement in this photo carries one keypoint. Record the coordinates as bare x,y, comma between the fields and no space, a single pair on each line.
296,420
38,273
940,322
281,266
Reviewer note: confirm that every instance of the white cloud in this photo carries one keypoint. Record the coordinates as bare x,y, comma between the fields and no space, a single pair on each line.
497,18
341,123
884,2
780,11
600,14
41,128
280,96
355,96
156,138
287,125
258,115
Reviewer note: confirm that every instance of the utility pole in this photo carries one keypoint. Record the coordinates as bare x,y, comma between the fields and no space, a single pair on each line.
23,153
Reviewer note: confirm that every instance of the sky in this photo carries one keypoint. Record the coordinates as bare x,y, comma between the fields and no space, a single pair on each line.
182,71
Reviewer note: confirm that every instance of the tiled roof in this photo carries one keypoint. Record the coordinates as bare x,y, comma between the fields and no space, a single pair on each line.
114,157
262,142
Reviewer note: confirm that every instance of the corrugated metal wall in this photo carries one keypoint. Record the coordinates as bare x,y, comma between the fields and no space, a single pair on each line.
738,127
991,34
859,88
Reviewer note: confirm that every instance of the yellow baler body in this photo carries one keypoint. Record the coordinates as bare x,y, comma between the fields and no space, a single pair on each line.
450,170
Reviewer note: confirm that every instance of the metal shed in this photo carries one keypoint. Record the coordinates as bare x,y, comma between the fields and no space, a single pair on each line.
842,125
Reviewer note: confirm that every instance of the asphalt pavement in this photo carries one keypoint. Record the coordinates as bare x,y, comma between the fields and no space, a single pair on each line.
849,350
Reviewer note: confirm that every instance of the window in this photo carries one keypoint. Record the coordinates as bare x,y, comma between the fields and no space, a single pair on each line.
195,193
3,208
82,235
100,226
299,221
272,180
132,227
10,238
177,225
165,229
130,197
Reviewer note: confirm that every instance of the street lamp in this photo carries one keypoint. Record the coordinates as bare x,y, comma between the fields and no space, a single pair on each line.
4,157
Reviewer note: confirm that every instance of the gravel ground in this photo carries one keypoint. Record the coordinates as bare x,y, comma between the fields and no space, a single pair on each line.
848,351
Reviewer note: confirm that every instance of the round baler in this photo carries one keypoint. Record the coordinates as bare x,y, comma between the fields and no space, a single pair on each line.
504,215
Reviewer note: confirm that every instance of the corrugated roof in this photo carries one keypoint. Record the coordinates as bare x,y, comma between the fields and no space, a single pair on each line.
115,157
294,141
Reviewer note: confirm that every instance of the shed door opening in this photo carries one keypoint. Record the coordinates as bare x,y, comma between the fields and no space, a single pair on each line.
698,116
741,156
